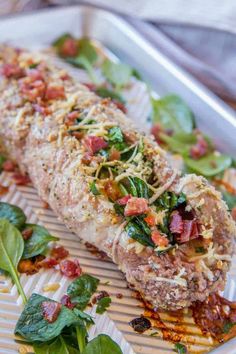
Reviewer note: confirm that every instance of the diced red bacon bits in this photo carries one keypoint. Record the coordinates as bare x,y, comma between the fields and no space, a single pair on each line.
69,48
199,149
114,154
87,158
176,223
35,74
112,190
66,301
90,86
27,233
32,89
42,109
49,263
71,118
59,252
12,71
3,189
21,180
54,92
120,105
151,218
95,143
70,269
136,206
190,231
8,166
124,200
155,131
51,310
158,239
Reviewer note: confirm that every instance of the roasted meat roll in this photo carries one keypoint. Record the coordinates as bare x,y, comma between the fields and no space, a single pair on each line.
171,235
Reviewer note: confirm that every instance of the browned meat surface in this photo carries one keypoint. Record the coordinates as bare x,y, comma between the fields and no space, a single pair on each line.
39,132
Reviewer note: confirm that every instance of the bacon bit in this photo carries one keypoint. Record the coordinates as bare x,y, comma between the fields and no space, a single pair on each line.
199,149
35,74
69,48
59,252
159,239
176,223
90,86
66,301
120,105
112,190
233,213
211,316
114,154
8,166
119,296
40,108
45,205
30,266
65,76
27,233
3,189
51,310
155,131
12,71
95,143
48,263
71,117
78,135
124,200
151,218
87,158
54,92
136,206
32,90
190,231
70,268
21,180
100,296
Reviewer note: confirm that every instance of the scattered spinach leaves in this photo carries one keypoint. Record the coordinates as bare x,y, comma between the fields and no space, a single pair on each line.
82,62
180,348
117,74
104,92
81,290
209,165
11,250
13,214
102,344
103,304
38,242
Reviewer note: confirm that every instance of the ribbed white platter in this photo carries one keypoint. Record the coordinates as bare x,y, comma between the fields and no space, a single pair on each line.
115,321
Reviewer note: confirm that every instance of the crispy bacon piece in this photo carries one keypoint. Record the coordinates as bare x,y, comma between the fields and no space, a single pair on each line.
112,190
71,118
155,131
87,158
21,180
159,239
90,86
66,301
190,231
199,149
94,143
151,218
136,206
51,310
35,74
78,135
124,200
114,154
32,89
30,266
100,296
49,263
27,233
69,48
71,269
42,108
8,166
3,189
12,71
120,105
176,223
54,92
59,252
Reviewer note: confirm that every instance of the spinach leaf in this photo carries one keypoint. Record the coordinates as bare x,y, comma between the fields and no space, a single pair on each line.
135,232
209,165
136,74
13,214
35,328
2,160
81,290
58,43
104,92
38,242
180,142
173,114
58,346
180,348
84,316
87,50
115,135
170,201
11,250
82,62
94,189
102,344
116,73
230,199
138,188
228,326
103,304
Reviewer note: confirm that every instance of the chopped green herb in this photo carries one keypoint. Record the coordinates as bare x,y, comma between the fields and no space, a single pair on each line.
228,326
135,232
103,304
93,189
115,135
200,249
180,348
34,66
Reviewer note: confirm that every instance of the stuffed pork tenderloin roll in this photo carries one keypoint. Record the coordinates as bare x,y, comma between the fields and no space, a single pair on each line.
171,235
